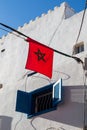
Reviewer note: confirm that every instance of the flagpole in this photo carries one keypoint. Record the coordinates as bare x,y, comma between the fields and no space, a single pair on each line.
75,58
28,75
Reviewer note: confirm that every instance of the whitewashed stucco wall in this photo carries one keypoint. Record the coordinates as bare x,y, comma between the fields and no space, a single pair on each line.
59,30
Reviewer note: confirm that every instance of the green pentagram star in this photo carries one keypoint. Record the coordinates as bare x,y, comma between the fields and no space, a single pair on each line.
40,55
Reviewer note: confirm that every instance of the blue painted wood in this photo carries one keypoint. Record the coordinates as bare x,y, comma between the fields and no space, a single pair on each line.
57,92
23,102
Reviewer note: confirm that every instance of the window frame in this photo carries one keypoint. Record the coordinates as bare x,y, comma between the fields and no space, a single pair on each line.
78,48
25,101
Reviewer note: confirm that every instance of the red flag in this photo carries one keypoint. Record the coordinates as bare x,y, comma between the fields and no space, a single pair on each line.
40,58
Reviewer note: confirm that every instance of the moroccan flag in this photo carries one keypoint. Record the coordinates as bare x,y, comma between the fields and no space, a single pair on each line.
40,58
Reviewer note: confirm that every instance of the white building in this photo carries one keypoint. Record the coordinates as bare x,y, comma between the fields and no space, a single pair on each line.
58,29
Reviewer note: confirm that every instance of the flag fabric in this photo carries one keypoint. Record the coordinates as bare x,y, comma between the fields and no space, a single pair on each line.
40,58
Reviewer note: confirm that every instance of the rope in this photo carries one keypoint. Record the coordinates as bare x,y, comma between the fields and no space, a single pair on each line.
13,30
4,30
56,29
12,33
18,122
31,122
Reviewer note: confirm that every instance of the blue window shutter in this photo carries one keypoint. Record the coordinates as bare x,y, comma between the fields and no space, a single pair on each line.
23,102
57,87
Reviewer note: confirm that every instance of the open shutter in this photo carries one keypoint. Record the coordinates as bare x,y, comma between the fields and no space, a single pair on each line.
23,102
57,92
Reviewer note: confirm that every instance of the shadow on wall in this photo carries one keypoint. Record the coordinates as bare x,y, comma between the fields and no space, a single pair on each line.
71,111
5,123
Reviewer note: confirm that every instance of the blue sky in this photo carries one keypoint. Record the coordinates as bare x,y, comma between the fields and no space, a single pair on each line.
17,12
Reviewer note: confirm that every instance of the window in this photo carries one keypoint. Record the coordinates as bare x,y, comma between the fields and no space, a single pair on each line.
1,85
78,48
40,100
43,101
